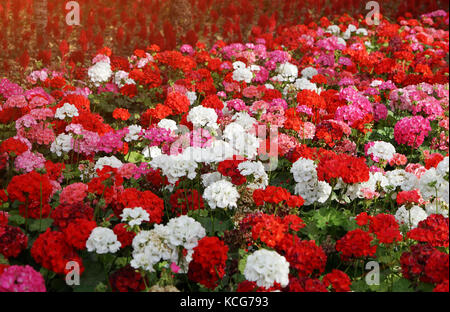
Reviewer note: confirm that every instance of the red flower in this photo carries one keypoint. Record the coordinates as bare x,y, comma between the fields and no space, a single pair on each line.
126,279
356,244
349,168
362,219
269,229
307,258
413,262
213,101
12,241
121,113
305,284
433,160
51,251
177,102
13,147
386,228
432,230
3,214
208,262
124,236
229,168
442,287
33,190
78,231
129,90
131,198
184,200
409,197
437,267
338,280
64,214
247,286
294,222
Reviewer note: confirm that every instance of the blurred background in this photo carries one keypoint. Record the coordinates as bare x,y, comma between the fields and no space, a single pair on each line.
36,30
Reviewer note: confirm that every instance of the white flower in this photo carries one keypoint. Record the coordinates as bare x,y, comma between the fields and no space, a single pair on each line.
67,110
260,178
287,72
62,143
151,152
168,124
309,72
313,191
266,268
239,65
102,240
149,247
410,217
382,150
333,29
210,178
341,41
242,73
244,120
121,79
432,184
192,96
201,116
397,177
232,130
100,73
304,170
305,84
184,231
244,143
175,166
362,31
410,182
221,194
133,133
375,83
111,161
135,216
437,207
442,167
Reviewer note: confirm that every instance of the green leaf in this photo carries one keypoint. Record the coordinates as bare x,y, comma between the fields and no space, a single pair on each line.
401,285
425,287
3,260
15,218
92,275
135,157
40,225
242,264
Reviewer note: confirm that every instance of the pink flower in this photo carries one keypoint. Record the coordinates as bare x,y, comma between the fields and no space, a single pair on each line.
127,170
73,193
411,131
29,161
174,267
21,279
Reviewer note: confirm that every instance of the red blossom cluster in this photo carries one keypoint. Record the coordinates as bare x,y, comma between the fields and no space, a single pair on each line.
52,251
433,230
349,168
33,191
208,262
184,200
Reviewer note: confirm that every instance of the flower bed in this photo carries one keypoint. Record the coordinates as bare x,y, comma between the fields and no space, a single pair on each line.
295,163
